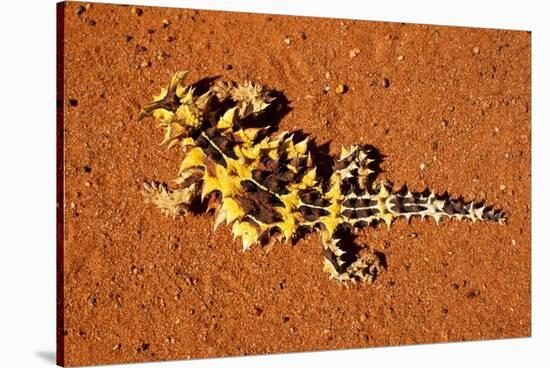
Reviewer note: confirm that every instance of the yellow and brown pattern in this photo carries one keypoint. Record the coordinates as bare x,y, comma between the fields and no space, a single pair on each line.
265,184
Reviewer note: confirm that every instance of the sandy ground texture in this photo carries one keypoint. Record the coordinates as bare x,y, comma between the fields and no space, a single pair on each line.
448,107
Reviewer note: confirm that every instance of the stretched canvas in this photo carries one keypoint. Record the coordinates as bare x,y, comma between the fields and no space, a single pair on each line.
234,184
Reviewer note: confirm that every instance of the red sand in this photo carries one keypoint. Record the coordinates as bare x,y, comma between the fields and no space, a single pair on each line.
138,286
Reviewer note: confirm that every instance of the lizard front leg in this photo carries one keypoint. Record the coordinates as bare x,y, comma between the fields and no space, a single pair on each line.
174,201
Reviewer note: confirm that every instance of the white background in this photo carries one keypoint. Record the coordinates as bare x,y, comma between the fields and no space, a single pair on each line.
27,181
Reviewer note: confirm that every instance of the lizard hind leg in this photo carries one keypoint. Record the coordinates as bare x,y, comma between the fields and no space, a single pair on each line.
357,167
345,260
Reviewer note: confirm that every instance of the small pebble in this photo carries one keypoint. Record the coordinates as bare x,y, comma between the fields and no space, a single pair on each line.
472,294
303,35
73,102
475,50
353,53
227,66
165,23
497,130
400,57
327,75
422,166
385,83
434,146
163,56
92,22
413,235
514,242
145,64
506,155
143,347
73,205
170,38
502,187
137,11
128,38
287,40
79,10
340,89
444,123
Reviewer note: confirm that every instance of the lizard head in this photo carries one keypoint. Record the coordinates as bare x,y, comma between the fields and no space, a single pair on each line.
178,110
184,114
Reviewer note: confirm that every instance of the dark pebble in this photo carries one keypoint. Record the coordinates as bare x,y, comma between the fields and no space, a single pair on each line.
444,123
73,102
87,169
472,294
303,35
227,66
93,301
143,347
434,145
150,31
385,83
92,22
141,48
128,38
170,38
81,9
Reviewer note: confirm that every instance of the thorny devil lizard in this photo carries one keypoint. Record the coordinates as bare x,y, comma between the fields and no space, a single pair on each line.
265,184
